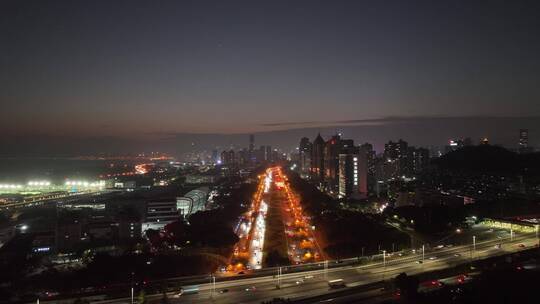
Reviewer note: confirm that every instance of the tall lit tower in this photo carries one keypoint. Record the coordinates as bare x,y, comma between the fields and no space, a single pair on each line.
523,138
251,142
317,159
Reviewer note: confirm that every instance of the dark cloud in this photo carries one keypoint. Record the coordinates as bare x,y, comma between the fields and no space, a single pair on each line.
386,120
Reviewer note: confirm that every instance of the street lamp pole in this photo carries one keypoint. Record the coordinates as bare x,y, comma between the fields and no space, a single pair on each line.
132,291
537,240
213,277
423,253
384,262
474,246
511,234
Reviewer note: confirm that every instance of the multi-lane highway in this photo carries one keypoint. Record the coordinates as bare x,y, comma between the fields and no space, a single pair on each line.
315,282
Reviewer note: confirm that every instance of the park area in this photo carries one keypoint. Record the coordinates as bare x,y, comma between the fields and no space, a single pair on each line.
275,247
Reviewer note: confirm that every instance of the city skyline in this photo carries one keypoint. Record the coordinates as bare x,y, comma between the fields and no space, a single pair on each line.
433,132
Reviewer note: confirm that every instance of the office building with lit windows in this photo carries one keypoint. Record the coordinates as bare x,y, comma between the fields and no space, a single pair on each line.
353,175
159,214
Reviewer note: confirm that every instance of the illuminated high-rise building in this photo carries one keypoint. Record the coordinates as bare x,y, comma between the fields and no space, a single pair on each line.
228,158
395,155
524,141
332,149
251,142
353,175
304,154
317,159
367,148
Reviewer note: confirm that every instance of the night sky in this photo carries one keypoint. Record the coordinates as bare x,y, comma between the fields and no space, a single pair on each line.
156,68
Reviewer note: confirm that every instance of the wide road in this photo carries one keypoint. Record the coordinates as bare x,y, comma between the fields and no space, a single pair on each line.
311,283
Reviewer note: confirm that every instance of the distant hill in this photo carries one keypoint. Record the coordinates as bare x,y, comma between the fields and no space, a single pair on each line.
487,158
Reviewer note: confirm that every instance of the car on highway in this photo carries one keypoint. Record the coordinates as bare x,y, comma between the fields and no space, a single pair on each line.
338,283
521,245
186,290
224,290
433,258
463,278
498,246
251,288
457,255
419,262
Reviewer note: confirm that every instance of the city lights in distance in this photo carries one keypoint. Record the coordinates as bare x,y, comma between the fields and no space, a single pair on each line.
10,186
85,184
39,183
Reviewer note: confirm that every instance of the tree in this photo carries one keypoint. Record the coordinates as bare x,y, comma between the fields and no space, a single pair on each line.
274,259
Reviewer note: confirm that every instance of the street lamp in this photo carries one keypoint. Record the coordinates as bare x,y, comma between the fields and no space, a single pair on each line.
132,291
537,240
279,278
213,286
423,253
474,246
384,262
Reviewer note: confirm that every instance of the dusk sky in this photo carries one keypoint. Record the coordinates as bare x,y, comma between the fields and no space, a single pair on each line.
134,68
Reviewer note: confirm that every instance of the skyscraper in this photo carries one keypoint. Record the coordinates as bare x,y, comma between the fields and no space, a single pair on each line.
367,148
317,159
332,149
228,157
395,155
251,142
215,156
353,175
268,153
419,159
524,141
251,153
304,153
